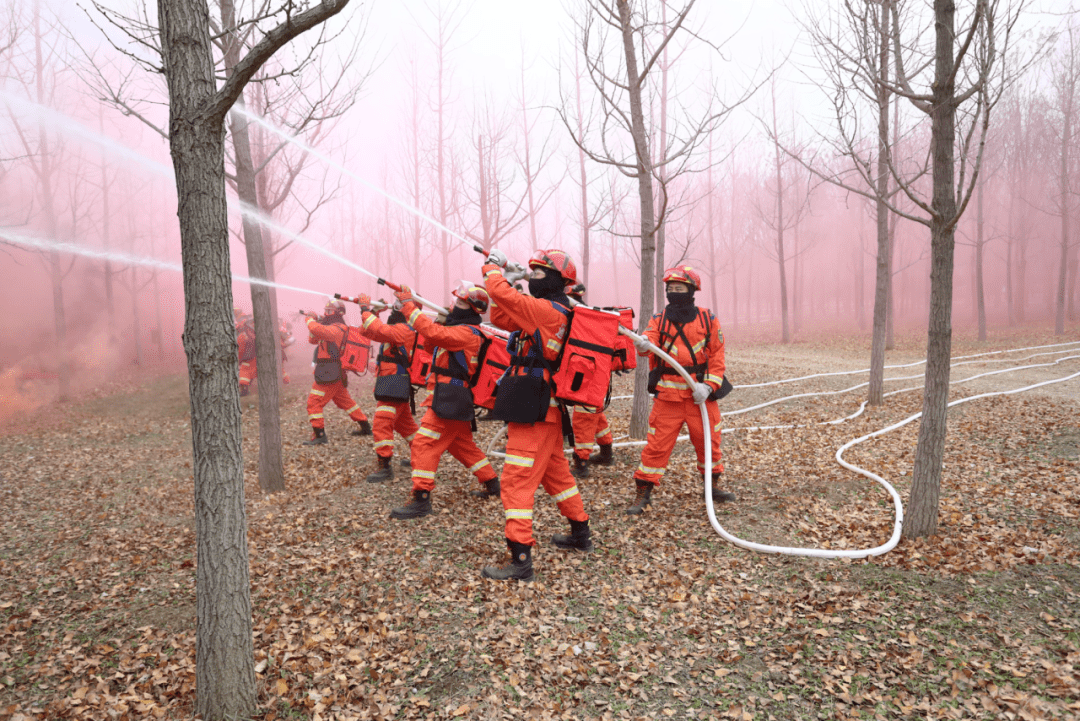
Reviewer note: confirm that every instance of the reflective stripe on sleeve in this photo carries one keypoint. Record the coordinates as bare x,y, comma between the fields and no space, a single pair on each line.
413,316
710,378
369,319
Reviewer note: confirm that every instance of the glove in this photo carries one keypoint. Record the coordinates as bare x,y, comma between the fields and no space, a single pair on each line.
404,294
398,305
513,276
364,301
702,391
497,257
642,345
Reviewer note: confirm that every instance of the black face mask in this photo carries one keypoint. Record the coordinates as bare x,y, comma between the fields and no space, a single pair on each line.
395,317
551,284
680,307
463,316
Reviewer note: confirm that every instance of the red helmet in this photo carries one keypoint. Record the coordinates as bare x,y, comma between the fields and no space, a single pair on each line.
683,274
334,307
557,261
474,295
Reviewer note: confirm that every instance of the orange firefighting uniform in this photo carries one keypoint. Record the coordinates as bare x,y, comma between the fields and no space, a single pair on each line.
338,392
249,369
534,451
590,426
245,340
674,404
390,415
438,435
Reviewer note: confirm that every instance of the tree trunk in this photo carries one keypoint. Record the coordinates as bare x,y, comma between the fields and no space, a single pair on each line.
980,241
876,391
639,418
136,324
271,471
922,516
225,672
1068,90
780,260
585,250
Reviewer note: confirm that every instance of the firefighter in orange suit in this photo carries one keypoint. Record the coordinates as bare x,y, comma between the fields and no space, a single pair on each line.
393,390
691,336
448,423
245,337
245,340
331,383
590,424
534,447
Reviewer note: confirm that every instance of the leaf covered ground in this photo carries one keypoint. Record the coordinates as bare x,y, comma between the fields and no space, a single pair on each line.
358,616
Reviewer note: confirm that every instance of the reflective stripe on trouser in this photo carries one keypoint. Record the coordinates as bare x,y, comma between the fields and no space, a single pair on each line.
248,372
390,417
534,456
589,427
323,393
665,421
443,435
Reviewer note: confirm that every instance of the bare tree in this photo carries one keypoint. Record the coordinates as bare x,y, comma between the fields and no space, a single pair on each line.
533,164
963,78
616,134
180,46
1065,80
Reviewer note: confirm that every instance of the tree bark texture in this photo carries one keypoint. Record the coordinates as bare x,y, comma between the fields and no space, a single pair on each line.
639,418
225,673
922,516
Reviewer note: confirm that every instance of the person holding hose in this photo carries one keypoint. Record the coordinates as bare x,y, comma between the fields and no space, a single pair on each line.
534,445
448,423
329,334
393,390
590,424
691,336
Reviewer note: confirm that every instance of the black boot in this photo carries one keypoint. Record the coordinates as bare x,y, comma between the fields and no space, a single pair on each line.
318,438
420,506
580,469
604,458
385,471
579,537
405,462
519,567
719,496
643,499
363,429
491,488
244,390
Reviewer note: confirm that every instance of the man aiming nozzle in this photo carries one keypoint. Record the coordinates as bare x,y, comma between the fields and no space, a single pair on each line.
330,335
534,446
448,423
393,388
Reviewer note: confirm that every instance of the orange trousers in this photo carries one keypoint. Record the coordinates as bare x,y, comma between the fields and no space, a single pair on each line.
249,371
392,416
437,435
323,393
589,427
665,422
534,456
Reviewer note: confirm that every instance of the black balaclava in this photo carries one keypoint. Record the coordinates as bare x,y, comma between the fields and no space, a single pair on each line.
550,287
395,317
331,318
680,307
463,316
